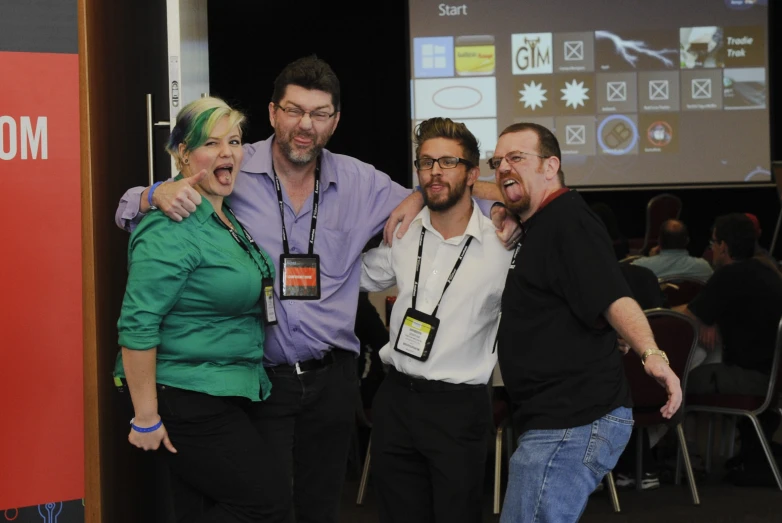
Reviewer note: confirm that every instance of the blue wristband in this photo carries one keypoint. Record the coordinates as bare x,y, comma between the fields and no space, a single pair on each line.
153,428
419,189
149,194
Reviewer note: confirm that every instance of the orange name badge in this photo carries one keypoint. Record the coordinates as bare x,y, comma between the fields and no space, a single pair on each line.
299,277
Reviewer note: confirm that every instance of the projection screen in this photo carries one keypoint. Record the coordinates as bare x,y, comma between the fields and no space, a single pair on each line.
638,92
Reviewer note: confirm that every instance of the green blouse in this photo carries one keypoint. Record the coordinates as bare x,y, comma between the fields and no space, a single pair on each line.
193,292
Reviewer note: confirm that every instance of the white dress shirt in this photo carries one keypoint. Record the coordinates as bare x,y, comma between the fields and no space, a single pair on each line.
463,350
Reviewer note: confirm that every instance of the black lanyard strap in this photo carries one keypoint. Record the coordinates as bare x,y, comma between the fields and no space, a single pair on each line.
315,203
524,229
450,276
240,242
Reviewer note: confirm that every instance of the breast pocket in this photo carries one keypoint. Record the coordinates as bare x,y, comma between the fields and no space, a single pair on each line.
335,251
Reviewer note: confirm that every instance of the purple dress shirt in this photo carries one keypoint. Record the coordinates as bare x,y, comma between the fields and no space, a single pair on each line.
355,201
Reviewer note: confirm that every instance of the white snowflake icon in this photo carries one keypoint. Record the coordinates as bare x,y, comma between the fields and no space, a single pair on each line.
533,95
574,94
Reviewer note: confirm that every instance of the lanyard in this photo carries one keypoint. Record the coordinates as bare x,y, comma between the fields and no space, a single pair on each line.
315,202
450,277
518,245
240,242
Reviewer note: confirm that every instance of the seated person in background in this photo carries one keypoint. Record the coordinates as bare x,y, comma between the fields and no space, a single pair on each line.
743,299
761,253
643,285
642,282
606,214
672,257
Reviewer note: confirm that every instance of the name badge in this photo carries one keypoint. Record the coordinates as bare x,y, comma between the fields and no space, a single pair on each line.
267,298
416,335
299,277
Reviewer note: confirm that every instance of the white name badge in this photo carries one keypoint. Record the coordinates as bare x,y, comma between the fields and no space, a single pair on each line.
416,334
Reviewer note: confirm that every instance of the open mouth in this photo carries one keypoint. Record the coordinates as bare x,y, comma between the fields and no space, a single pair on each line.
512,189
224,173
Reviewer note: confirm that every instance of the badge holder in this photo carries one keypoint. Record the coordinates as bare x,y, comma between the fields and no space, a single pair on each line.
416,335
267,298
299,277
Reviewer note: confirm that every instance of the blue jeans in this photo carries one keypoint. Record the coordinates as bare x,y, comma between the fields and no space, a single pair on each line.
553,472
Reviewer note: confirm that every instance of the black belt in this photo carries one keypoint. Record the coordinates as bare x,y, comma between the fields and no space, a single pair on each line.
330,357
424,385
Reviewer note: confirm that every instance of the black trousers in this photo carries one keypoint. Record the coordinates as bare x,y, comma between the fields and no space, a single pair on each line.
429,446
305,429
215,474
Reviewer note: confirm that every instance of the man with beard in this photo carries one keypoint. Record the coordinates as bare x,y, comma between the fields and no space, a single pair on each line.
432,414
556,345
312,211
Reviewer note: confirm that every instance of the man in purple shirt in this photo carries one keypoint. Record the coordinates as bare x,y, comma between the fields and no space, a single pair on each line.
300,202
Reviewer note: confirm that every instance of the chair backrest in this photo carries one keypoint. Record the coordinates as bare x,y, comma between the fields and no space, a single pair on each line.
679,290
775,381
662,207
676,334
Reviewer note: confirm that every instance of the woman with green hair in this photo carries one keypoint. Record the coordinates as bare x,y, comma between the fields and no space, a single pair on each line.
191,328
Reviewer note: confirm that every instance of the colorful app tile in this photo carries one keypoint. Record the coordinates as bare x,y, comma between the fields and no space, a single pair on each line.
433,56
617,134
475,55
617,51
701,47
744,88
659,133
532,53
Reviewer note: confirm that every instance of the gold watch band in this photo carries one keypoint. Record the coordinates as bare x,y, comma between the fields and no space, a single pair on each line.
650,352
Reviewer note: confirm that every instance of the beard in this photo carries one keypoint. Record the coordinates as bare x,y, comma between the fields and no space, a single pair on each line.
445,201
296,155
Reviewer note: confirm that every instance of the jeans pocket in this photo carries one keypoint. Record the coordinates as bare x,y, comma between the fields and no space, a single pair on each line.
608,440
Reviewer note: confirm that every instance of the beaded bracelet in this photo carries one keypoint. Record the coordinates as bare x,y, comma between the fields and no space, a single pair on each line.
153,428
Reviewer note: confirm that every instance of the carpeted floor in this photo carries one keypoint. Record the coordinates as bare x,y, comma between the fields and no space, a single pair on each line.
720,503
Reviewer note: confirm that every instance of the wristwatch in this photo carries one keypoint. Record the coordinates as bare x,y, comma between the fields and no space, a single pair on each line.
649,352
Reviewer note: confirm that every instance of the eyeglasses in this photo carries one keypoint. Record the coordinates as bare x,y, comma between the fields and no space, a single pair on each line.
295,113
446,162
512,157
714,242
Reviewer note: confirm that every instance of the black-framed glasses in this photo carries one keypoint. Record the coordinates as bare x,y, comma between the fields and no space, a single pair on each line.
296,113
512,157
446,162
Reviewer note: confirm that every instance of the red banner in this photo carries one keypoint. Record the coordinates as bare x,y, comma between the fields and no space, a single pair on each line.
41,391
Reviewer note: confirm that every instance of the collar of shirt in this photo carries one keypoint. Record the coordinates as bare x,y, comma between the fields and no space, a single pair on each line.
550,198
677,253
473,226
261,162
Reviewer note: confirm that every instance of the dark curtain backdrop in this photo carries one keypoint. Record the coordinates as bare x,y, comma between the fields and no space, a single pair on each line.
366,44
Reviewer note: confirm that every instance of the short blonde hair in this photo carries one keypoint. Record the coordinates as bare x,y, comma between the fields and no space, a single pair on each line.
195,123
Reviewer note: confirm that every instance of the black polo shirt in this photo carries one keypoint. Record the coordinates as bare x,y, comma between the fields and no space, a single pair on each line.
744,299
557,353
